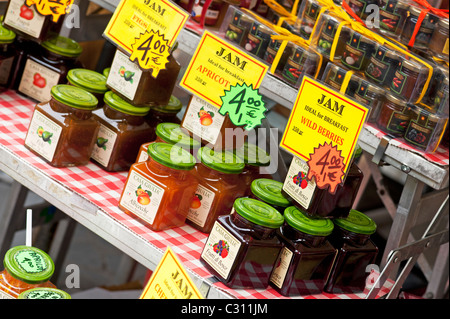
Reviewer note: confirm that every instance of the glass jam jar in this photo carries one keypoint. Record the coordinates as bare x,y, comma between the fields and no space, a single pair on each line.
269,192
44,293
407,79
439,40
306,257
49,67
393,14
63,131
426,29
23,48
212,13
219,184
215,130
394,115
369,95
359,7
165,113
238,28
308,18
334,76
301,61
158,192
89,80
242,247
382,66
355,251
138,87
357,51
122,131
258,39
7,57
25,268
316,202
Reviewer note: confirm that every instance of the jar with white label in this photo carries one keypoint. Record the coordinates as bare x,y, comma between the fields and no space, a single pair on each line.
123,130
242,247
62,131
219,184
158,192
306,257
44,293
7,57
26,268
49,67
89,80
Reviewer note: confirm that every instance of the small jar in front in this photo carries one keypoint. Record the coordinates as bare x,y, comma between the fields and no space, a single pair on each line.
357,51
355,251
258,39
301,61
26,268
165,114
369,95
382,65
89,80
49,67
439,40
308,18
306,257
219,184
394,115
334,76
139,87
238,28
425,31
158,192
62,131
7,57
408,78
269,191
122,131
393,14
242,247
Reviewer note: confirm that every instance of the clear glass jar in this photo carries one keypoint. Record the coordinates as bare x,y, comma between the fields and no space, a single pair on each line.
439,40
408,79
357,51
89,80
219,184
382,65
7,57
351,238
123,130
370,95
49,67
258,38
238,28
426,29
394,116
269,191
25,268
158,192
44,293
306,256
63,131
242,247
393,14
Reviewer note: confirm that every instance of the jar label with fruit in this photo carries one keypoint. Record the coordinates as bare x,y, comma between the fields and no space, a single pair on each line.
419,134
398,122
24,18
389,21
200,205
203,120
104,145
5,70
37,81
124,76
141,197
294,66
352,56
234,33
281,267
309,19
398,82
43,135
296,184
377,69
221,250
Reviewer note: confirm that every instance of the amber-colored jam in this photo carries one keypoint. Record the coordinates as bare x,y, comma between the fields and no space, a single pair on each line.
394,116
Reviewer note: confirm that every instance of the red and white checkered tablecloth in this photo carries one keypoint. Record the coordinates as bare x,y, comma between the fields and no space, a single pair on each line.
104,189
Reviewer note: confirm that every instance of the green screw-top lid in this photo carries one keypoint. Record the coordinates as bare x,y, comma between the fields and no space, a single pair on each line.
174,106
269,191
106,72
357,222
6,35
89,80
44,293
119,104
258,212
253,155
171,156
222,161
74,96
312,226
172,134
357,152
29,264
63,46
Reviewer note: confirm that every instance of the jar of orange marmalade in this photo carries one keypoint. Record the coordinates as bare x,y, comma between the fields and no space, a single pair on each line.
219,184
62,131
25,268
159,191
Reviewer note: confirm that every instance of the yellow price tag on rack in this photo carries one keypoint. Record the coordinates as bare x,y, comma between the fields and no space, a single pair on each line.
323,116
216,66
51,7
170,281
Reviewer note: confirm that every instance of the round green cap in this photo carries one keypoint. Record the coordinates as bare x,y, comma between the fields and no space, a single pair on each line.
258,212
312,226
357,222
63,46
29,264
44,293
269,191
174,106
172,133
119,104
222,161
106,71
253,155
89,80
74,96
171,156
6,35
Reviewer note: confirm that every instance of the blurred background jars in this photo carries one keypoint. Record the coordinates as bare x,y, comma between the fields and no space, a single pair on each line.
165,113
7,57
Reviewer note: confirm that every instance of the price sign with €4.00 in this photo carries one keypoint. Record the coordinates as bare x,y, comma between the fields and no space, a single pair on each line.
55,8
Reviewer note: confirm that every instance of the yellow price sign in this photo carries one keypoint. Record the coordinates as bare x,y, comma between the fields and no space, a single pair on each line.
170,281
218,65
55,8
322,116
